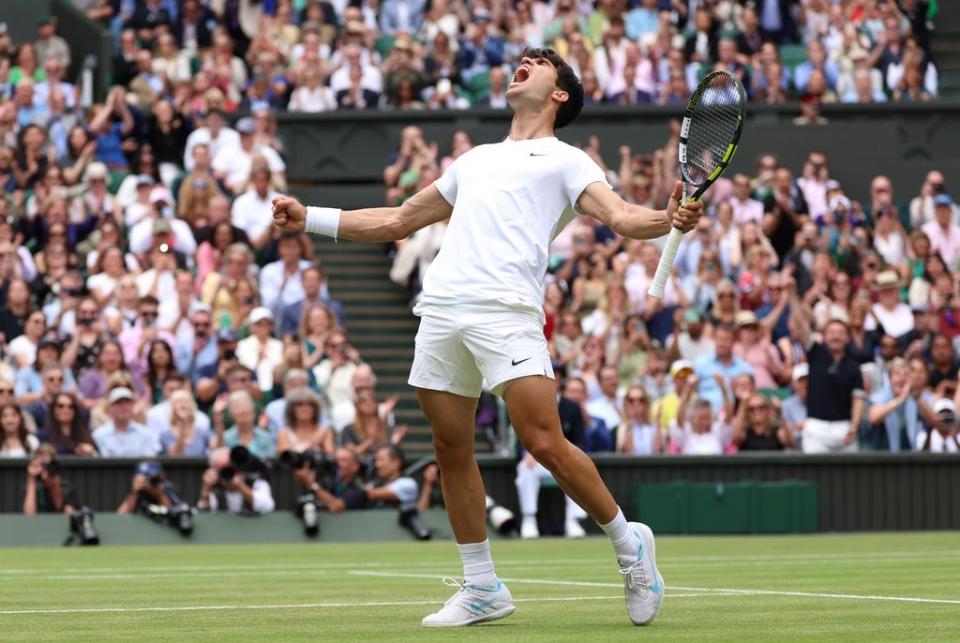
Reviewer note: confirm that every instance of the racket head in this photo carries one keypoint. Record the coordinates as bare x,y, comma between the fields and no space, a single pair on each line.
711,130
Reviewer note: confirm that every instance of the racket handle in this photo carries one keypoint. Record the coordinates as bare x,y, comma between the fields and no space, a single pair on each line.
666,264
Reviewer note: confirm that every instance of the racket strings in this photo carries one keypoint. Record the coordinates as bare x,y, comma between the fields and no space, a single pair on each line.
715,122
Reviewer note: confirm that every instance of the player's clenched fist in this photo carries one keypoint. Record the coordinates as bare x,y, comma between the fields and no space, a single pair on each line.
289,214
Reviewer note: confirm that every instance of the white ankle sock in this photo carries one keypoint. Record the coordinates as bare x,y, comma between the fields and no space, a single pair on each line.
477,564
619,532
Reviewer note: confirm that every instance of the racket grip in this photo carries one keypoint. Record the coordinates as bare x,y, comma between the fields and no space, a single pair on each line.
666,264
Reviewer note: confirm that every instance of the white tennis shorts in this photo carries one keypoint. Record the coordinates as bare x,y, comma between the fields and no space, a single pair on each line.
458,348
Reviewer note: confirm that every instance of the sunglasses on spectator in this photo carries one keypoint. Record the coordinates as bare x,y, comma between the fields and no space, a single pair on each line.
757,407
64,405
54,378
637,400
201,324
6,391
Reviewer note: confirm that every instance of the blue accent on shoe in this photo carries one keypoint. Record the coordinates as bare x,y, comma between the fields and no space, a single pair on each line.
479,607
495,588
656,587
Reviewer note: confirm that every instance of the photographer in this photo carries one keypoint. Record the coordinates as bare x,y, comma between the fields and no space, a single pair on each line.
343,490
47,492
235,481
943,437
395,489
155,497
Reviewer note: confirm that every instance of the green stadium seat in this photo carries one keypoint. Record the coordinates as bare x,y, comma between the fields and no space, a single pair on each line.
479,86
116,178
383,45
781,393
792,55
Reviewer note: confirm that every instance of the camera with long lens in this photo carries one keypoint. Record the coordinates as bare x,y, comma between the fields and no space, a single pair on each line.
178,514
243,462
82,529
410,520
308,512
500,518
324,468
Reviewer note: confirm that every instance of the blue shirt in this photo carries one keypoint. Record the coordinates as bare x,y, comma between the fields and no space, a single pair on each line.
196,447
708,366
109,147
136,442
262,446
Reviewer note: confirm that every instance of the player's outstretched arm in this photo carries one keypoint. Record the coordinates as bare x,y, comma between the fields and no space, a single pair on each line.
371,225
635,221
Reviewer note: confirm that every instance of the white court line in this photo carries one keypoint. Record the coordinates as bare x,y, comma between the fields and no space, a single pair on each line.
281,606
717,591
672,561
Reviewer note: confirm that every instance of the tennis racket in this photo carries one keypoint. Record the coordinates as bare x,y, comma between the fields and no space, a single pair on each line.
708,140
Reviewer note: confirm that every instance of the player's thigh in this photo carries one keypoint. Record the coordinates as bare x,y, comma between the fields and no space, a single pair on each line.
441,360
532,405
452,418
507,346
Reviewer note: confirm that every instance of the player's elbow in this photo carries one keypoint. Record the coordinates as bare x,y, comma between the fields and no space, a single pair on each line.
398,226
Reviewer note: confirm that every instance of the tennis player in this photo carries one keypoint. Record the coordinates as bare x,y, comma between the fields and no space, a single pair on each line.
482,318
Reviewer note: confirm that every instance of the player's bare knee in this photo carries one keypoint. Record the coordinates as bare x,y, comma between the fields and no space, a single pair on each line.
447,449
548,451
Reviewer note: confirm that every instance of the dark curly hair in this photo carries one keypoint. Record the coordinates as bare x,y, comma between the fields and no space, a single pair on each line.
566,80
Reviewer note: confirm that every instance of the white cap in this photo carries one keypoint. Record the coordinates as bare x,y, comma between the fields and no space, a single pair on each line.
160,193
801,371
259,314
120,393
943,405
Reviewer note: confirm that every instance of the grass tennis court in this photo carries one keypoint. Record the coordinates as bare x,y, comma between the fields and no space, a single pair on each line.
854,587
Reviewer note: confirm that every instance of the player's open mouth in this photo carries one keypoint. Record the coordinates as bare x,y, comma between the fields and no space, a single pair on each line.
521,74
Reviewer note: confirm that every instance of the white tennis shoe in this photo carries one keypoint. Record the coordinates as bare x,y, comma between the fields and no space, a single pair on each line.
472,604
642,582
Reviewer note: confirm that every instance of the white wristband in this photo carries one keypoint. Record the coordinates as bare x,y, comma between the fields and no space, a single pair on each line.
324,221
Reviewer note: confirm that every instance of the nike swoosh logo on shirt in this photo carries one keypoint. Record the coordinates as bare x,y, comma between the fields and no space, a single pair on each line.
515,362
535,154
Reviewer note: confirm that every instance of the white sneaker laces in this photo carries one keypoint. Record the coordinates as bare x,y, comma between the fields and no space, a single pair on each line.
636,578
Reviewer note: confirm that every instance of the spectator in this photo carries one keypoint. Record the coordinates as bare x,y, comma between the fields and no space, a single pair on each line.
243,433
242,484
754,347
16,441
370,430
311,95
281,281
187,432
723,363
835,397
237,165
261,352
49,44
636,435
943,232
121,437
698,434
899,408
215,134
794,408
248,208
942,438
302,424
605,403
894,316
757,427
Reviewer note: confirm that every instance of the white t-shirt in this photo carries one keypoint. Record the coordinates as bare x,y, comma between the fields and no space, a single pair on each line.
251,214
405,490
712,442
937,443
507,200
22,346
895,322
226,137
236,162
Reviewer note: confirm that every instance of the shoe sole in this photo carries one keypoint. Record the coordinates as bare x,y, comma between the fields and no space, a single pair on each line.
650,542
500,613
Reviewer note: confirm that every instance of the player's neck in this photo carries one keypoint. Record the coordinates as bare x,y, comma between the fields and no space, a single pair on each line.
530,125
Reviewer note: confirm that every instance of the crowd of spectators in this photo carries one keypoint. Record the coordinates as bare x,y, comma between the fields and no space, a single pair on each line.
313,56
788,284
148,307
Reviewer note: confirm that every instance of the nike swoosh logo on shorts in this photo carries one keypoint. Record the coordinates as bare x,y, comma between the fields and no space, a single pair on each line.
515,362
